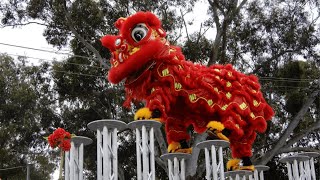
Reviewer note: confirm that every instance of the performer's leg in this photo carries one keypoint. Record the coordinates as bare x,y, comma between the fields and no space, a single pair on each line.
177,136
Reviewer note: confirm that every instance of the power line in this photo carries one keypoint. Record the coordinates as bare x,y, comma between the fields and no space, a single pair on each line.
35,49
18,167
80,74
51,60
47,51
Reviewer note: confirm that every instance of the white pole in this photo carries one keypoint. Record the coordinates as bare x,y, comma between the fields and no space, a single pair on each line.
74,158
81,161
170,169
67,165
208,164
99,155
145,153
72,168
293,167
138,148
258,172
152,160
221,163
110,173
76,162
239,174
183,169
177,170
145,146
289,167
115,153
311,168
214,167
295,170
313,172
301,170
214,162
107,160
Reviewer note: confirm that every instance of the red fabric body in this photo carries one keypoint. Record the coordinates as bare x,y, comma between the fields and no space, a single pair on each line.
186,93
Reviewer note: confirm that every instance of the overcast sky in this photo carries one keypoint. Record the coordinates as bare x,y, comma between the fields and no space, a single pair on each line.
31,36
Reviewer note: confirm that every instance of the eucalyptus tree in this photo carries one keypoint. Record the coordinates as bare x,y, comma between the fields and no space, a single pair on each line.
26,115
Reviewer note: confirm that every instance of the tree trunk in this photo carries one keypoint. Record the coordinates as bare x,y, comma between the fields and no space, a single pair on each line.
293,124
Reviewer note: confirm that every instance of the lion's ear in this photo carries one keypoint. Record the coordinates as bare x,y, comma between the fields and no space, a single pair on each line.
108,41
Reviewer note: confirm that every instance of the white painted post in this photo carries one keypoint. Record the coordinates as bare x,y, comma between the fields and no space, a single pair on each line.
309,164
258,172
176,165
238,174
214,163
74,158
295,166
145,147
107,147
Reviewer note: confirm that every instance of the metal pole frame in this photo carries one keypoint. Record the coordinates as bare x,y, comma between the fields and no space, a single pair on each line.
176,165
238,174
107,147
309,164
214,162
258,172
296,167
145,147
74,158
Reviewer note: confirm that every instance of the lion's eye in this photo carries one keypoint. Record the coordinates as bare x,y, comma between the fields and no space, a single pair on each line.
139,32
117,42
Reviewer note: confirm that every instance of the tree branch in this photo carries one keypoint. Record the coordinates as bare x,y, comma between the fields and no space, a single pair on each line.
293,124
161,141
79,37
192,162
215,14
296,149
23,24
300,135
185,24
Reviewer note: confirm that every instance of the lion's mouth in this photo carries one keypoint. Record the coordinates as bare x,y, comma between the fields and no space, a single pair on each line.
137,74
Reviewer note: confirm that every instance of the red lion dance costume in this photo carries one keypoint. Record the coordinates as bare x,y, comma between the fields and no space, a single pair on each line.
217,99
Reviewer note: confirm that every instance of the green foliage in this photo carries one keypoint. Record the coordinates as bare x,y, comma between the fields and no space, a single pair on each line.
22,100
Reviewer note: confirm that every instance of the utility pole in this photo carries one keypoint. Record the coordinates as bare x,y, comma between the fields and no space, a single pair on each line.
28,171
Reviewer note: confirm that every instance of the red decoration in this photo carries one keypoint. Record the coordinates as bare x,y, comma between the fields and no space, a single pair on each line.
60,138
185,93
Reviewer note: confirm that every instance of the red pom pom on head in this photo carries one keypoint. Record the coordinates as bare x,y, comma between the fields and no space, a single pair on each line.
119,22
108,41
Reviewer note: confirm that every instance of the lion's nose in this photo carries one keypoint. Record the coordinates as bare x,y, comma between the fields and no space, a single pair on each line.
123,47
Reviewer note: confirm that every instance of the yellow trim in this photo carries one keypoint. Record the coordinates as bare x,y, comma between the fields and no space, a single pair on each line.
193,97
256,103
243,106
228,84
224,107
230,74
153,89
252,115
228,95
165,72
177,86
